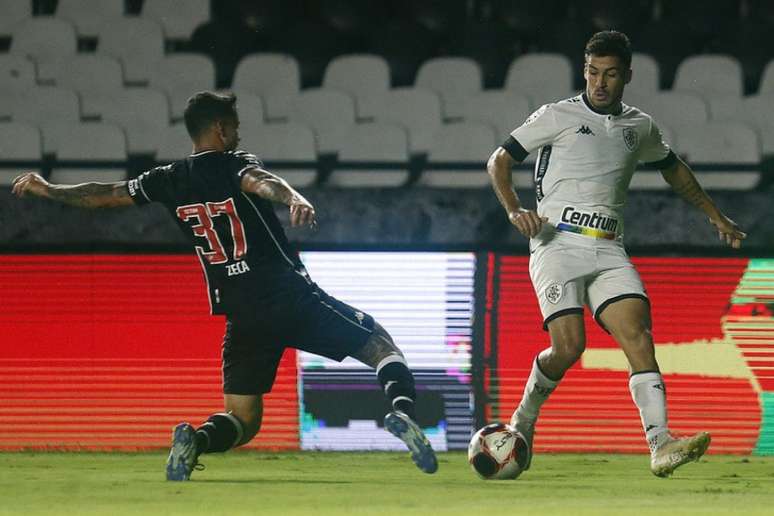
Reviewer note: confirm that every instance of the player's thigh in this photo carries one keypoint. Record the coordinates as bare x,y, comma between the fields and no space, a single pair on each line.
558,276
568,333
328,327
627,319
250,358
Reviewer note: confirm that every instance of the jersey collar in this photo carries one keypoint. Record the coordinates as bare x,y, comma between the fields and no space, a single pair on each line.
595,110
201,153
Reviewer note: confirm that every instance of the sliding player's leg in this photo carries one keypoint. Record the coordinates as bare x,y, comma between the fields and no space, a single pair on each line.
628,320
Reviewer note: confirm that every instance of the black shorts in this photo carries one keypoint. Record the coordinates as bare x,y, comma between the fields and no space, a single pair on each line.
297,314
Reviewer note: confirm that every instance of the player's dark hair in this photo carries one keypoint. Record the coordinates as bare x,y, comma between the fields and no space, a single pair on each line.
206,108
611,43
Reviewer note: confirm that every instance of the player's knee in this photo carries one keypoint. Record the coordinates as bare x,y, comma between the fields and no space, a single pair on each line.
569,350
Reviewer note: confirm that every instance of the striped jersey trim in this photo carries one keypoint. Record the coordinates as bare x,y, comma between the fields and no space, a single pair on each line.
587,232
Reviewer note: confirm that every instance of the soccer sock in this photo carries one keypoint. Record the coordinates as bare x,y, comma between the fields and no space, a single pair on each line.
398,383
537,390
219,433
649,394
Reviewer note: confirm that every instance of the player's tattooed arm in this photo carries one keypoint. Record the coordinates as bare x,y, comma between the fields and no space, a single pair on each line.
528,222
85,195
680,177
266,185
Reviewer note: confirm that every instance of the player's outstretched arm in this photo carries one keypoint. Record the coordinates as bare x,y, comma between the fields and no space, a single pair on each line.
266,185
85,195
499,166
680,177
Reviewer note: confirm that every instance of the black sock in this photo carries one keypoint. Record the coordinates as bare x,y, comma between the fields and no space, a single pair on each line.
219,433
398,384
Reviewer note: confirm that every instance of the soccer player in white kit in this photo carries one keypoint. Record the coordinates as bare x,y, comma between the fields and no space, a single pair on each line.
588,147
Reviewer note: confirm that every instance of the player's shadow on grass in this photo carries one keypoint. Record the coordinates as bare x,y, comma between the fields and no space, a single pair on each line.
270,481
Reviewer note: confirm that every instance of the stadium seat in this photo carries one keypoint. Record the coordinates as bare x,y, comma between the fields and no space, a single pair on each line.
330,113
96,78
142,113
14,13
40,106
17,73
88,142
454,79
373,142
44,39
464,142
18,142
645,76
177,23
767,79
360,75
250,109
416,109
89,16
674,108
503,110
709,74
174,144
180,76
542,77
273,77
137,43
719,143
284,142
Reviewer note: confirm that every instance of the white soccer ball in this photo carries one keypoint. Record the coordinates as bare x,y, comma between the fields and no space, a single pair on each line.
498,452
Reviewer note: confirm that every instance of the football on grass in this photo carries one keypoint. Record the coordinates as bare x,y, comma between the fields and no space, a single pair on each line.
498,452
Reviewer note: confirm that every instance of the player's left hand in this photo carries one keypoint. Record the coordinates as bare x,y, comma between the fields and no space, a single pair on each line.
30,183
728,231
302,213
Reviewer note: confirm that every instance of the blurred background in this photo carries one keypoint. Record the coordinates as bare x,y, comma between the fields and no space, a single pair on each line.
383,114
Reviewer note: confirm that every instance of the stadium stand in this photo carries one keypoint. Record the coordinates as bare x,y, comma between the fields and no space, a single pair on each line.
330,113
360,75
710,75
96,79
454,79
274,77
173,144
286,143
417,110
542,77
19,142
673,108
143,113
178,24
136,42
17,73
180,75
14,13
645,76
386,143
466,142
46,106
84,143
44,39
503,110
89,16
251,111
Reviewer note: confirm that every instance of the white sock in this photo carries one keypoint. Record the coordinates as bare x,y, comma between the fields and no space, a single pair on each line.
536,392
649,394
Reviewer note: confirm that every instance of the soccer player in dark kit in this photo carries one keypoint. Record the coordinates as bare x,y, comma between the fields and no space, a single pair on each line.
222,199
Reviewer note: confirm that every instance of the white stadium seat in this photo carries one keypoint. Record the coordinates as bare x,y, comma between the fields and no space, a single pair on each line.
674,108
645,76
88,16
417,110
373,142
454,79
767,79
137,43
18,142
41,106
14,13
88,142
174,144
464,142
178,21
284,142
181,75
250,109
142,113
709,74
273,77
360,75
330,113
503,110
17,73
44,39
543,77
96,78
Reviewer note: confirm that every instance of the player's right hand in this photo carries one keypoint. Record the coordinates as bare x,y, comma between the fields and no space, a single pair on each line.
30,183
528,222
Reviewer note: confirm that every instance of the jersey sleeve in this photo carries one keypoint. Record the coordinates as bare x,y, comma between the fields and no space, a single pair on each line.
538,130
241,163
155,185
655,152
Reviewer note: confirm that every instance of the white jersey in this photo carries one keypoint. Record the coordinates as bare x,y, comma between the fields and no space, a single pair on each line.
585,163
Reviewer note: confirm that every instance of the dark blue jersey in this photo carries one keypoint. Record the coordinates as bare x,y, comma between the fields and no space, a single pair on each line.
236,235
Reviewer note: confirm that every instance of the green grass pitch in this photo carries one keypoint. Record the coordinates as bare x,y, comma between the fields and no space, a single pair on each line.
376,483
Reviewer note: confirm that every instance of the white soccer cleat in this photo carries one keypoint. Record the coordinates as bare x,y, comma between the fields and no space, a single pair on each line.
676,452
182,457
405,429
527,429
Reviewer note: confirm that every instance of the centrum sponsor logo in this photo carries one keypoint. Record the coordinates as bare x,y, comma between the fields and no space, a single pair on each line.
591,220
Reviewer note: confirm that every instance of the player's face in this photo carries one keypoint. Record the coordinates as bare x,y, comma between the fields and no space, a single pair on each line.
229,131
605,80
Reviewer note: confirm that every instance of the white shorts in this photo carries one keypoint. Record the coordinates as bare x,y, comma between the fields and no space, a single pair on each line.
567,277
